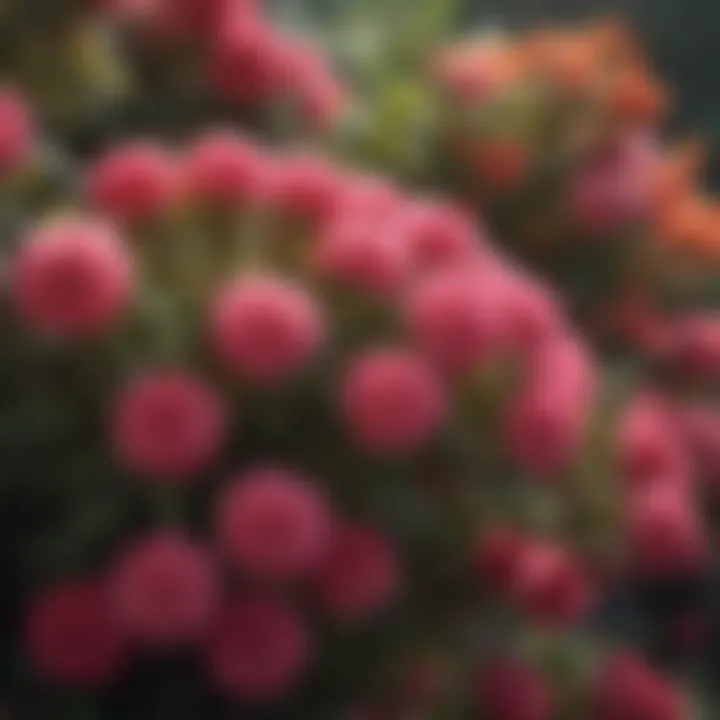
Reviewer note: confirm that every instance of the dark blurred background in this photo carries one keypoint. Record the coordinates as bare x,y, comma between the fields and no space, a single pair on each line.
683,36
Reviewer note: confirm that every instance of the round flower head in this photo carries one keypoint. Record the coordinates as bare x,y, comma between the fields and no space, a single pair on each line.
650,450
223,169
550,586
164,590
17,132
257,650
693,345
508,689
134,181
72,278
304,187
534,313
354,251
626,688
392,401
371,197
265,329
358,576
248,61
320,96
456,318
273,523
699,428
614,189
167,425
665,535
71,635
544,423
438,235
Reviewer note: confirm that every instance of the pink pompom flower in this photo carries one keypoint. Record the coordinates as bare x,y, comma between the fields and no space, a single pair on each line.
164,590
258,650
551,586
265,329
132,182
17,131
167,425
508,689
247,61
544,423
273,523
664,533
72,636
304,187
392,400
358,575
72,278
223,170
650,451
438,234
353,251
626,688
457,318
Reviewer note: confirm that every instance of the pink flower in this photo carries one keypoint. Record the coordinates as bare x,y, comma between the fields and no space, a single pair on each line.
168,425
258,650
248,61
372,197
265,329
649,448
164,590
615,188
439,234
223,169
17,131
457,318
355,252
358,576
392,401
71,635
320,96
273,523
304,187
72,278
627,689
496,557
508,689
693,345
664,533
192,18
534,313
699,428
134,181
544,423
550,585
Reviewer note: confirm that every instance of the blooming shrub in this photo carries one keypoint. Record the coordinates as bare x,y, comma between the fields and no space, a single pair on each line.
285,438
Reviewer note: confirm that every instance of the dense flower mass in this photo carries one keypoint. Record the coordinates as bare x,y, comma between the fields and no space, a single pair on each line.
283,436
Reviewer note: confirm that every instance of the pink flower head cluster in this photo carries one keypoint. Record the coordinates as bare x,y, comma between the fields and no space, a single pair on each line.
665,533
245,61
350,340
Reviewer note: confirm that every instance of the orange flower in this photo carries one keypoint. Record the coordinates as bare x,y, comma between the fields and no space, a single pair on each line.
568,59
677,171
691,224
479,68
635,97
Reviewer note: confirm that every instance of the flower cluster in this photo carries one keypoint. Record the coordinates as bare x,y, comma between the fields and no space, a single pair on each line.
334,339
557,133
284,438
